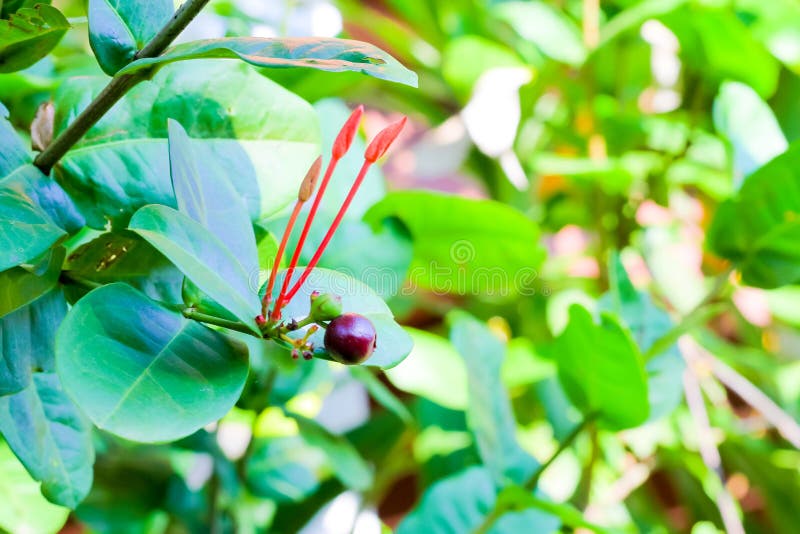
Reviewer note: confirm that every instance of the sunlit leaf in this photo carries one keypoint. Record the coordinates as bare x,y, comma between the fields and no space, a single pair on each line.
142,371
322,53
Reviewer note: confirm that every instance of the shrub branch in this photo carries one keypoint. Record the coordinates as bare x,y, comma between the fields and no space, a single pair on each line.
117,87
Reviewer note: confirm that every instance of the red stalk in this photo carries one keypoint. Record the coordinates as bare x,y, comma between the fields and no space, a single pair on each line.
377,148
329,234
340,147
271,284
306,190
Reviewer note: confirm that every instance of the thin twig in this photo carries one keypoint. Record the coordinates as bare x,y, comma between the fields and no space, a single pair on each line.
777,417
117,87
708,450
500,508
533,481
633,477
191,313
701,313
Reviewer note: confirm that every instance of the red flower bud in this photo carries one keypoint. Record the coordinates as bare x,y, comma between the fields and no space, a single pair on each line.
347,133
381,143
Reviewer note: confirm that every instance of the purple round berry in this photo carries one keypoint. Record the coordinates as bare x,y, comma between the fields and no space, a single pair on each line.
350,338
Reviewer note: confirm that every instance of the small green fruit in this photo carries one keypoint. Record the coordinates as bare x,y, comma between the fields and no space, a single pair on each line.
325,307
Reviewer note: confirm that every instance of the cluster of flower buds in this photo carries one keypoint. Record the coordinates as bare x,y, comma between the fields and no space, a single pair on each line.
349,338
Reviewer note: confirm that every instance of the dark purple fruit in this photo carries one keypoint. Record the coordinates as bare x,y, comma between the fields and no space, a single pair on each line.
350,338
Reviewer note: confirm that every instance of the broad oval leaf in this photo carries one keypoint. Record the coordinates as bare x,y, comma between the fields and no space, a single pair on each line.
549,28
759,229
210,199
461,503
124,256
283,469
27,339
394,344
602,370
244,126
44,192
647,323
466,246
750,126
348,465
118,28
202,258
489,413
24,507
51,438
431,358
323,53
28,35
26,231
21,285
144,372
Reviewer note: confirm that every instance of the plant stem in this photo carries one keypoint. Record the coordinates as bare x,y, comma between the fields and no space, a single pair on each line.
697,315
117,87
66,277
191,313
532,482
307,226
276,263
530,485
334,225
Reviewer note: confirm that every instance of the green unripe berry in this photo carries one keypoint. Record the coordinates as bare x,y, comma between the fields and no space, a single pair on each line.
325,307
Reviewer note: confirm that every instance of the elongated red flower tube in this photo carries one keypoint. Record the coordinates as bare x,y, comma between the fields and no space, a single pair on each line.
346,135
305,192
341,145
377,148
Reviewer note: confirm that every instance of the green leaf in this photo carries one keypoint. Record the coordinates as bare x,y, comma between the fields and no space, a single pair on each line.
202,258
460,503
647,324
21,285
466,246
44,192
602,370
125,257
483,54
19,175
489,413
422,373
9,7
29,35
382,394
144,372
210,200
758,230
547,27
24,508
283,469
27,339
14,152
344,459
323,53
51,438
517,498
393,343
118,28
26,231
717,44
750,125
243,126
